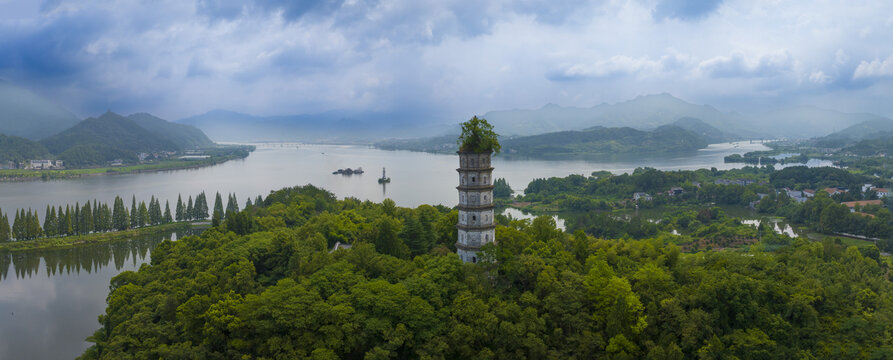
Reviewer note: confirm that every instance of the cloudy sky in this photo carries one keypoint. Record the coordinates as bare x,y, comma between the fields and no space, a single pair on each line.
446,59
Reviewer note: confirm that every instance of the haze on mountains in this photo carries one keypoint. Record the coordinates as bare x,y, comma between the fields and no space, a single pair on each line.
650,111
24,114
32,115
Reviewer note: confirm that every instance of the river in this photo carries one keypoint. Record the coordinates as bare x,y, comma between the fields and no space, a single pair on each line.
416,178
50,300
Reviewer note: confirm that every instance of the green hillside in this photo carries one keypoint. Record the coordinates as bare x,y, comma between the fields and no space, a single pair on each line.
108,137
27,115
605,141
184,136
880,143
14,148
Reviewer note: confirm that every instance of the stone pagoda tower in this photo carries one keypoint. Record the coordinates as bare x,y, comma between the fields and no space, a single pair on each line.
476,226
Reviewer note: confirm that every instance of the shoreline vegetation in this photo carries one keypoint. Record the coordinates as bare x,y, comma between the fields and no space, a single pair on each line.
230,153
96,238
100,222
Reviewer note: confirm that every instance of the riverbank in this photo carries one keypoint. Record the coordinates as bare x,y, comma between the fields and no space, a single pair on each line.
18,175
79,240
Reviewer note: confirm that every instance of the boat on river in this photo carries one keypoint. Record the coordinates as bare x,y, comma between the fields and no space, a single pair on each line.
348,171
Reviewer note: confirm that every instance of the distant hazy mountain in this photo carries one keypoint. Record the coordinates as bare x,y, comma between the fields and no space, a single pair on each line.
807,121
868,129
605,141
27,115
333,126
643,112
17,149
111,136
650,111
709,133
184,136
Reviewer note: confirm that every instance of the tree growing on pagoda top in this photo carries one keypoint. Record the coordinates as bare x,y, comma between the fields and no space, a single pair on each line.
478,137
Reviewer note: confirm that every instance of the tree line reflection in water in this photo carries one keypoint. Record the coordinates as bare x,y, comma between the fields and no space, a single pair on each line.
88,258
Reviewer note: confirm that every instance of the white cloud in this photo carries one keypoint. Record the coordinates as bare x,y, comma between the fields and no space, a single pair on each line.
875,68
819,77
740,65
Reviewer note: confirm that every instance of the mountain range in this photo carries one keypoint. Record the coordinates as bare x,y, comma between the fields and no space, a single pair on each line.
650,111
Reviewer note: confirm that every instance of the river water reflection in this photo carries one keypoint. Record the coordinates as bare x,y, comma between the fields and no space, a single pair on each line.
50,299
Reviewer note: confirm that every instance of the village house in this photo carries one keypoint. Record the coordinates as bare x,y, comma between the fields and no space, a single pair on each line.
45,164
835,191
881,192
641,195
853,204
675,191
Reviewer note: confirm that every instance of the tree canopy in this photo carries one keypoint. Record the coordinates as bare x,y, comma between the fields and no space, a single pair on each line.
478,136
264,284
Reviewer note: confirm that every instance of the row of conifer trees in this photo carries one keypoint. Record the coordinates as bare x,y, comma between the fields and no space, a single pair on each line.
97,217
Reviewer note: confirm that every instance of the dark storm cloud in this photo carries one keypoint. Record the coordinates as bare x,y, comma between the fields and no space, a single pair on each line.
53,51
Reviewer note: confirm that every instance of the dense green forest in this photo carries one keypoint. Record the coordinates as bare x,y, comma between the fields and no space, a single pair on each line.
605,141
263,284
16,149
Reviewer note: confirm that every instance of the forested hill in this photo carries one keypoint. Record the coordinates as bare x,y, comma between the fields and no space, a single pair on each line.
264,285
16,149
105,138
112,130
605,141
184,136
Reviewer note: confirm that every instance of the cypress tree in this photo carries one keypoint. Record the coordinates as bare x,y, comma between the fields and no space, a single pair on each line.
134,214
248,203
48,222
5,235
190,210
167,213
259,202
120,217
69,229
77,220
218,205
36,231
143,214
179,209
88,219
16,227
97,216
201,205
60,222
